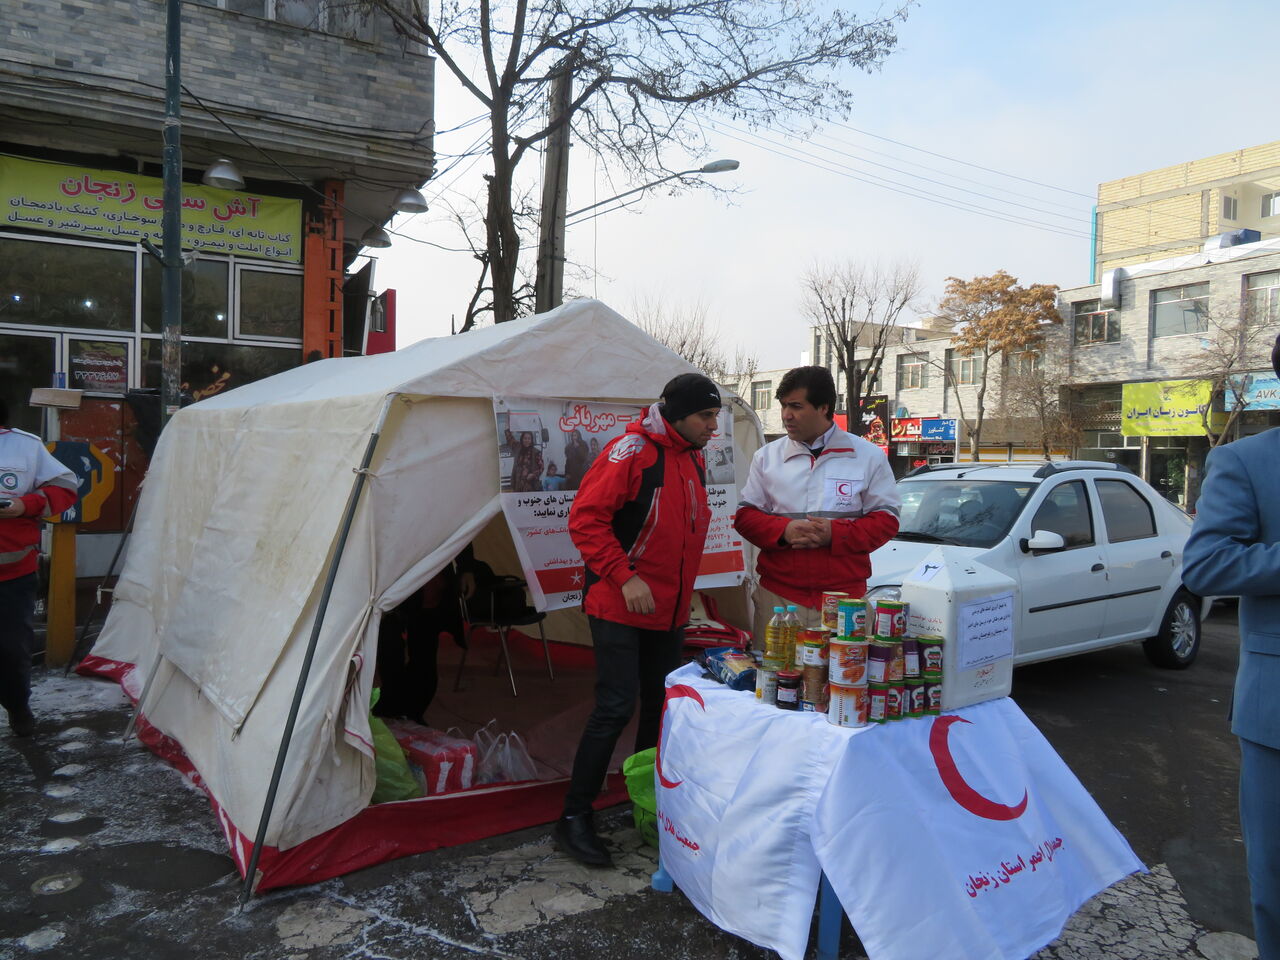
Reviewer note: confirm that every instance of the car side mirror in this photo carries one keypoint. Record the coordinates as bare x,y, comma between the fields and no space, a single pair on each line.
1042,540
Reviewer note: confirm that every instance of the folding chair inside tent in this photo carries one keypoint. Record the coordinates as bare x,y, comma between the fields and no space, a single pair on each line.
484,611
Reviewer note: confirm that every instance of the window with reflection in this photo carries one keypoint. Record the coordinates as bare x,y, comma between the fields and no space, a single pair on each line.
204,298
270,304
25,362
66,285
212,368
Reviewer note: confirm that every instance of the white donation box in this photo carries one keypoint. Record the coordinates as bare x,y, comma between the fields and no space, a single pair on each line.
973,608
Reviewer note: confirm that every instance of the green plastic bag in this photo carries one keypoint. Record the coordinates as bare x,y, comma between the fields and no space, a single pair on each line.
395,779
639,772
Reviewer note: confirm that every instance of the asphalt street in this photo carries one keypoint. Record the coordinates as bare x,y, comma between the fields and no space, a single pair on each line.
109,853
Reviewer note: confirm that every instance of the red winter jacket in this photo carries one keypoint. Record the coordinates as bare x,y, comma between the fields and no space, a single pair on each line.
642,509
28,472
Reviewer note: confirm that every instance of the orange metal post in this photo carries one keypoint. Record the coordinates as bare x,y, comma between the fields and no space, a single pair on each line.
322,276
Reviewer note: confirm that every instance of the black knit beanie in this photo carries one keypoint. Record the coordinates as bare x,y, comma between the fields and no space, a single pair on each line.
688,393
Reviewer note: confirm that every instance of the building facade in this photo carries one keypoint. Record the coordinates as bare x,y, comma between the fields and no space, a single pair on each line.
326,116
1171,355
1175,210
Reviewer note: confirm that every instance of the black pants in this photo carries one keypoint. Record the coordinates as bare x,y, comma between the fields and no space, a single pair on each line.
17,637
629,662
408,646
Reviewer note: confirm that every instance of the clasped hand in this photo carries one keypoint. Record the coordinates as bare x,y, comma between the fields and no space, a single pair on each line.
808,534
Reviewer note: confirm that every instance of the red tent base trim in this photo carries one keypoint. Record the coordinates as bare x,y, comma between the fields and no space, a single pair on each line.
378,833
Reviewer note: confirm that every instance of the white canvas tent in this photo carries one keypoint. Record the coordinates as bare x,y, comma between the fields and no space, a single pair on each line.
241,515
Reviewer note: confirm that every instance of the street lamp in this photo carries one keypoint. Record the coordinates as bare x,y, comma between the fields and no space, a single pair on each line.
715,166
550,280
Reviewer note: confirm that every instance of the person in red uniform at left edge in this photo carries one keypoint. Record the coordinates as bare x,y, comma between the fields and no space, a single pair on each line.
33,485
639,520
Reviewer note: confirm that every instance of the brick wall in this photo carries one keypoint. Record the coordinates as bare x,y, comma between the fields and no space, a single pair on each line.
100,65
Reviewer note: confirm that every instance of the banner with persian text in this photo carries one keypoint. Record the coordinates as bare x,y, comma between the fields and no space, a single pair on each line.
109,205
546,446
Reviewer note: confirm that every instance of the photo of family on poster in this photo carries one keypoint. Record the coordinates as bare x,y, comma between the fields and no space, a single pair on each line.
548,445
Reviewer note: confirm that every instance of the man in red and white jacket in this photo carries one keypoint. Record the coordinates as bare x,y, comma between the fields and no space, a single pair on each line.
816,502
32,485
639,520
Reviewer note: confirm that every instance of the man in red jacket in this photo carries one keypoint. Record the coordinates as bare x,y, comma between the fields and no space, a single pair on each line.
639,520
32,485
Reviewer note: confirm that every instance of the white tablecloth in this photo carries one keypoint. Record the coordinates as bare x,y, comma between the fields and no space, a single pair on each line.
960,837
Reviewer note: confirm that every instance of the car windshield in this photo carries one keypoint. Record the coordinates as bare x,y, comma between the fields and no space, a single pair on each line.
969,513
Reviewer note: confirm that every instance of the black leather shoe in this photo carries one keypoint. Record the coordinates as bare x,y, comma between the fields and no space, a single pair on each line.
576,836
22,722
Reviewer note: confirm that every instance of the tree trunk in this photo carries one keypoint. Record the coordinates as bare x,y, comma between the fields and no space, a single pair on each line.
500,227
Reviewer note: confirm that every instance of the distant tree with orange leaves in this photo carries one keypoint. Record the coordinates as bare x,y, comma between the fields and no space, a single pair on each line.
992,318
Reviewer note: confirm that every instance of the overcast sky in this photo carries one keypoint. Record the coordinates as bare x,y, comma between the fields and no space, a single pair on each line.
1064,94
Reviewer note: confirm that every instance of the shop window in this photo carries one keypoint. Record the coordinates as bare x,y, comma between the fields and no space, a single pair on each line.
25,362
1125,512
1093,324
98,366
204,298
212,368
270,304
761,394
1178,310
1263,297
66,285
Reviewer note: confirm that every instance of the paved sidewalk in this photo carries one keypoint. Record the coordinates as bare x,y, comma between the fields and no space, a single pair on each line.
110,854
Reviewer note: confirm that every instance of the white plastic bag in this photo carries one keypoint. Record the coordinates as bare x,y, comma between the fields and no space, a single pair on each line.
503,756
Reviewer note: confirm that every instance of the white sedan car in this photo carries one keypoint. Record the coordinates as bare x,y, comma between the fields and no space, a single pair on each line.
1097,553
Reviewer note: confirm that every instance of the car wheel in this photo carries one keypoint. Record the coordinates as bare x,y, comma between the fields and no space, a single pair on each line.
1178,641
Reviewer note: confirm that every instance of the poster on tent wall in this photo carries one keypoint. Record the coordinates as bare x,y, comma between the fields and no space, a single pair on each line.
545,447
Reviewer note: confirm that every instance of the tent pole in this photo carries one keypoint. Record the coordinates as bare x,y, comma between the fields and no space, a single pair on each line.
348,516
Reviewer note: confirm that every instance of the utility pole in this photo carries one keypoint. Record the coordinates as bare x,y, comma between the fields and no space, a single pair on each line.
549,284
171,223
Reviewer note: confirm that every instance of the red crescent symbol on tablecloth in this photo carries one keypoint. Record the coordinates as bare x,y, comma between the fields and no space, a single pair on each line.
960,791
674,692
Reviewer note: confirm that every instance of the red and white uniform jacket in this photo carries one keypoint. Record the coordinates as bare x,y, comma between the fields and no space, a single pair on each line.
28,472
642,509
849,482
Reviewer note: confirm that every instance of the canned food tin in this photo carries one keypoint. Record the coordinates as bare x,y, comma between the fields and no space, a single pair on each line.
814,654
852,618
788,696
932,697
767,681
915,697
895,670
879,654
847,662
890,618
894,695
910,657
877,703
930,654
830,600
813,682
849,706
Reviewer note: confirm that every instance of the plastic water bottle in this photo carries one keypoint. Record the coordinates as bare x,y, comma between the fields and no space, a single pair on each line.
793,637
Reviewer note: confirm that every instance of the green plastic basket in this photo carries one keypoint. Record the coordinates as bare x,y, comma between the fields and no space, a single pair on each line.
639,773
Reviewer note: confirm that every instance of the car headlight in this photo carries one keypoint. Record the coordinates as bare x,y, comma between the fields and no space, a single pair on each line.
887,591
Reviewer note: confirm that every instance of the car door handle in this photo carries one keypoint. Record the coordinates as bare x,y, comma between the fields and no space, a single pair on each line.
1096,568
1166,554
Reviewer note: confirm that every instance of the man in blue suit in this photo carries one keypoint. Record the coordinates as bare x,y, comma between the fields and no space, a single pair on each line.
1234,549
